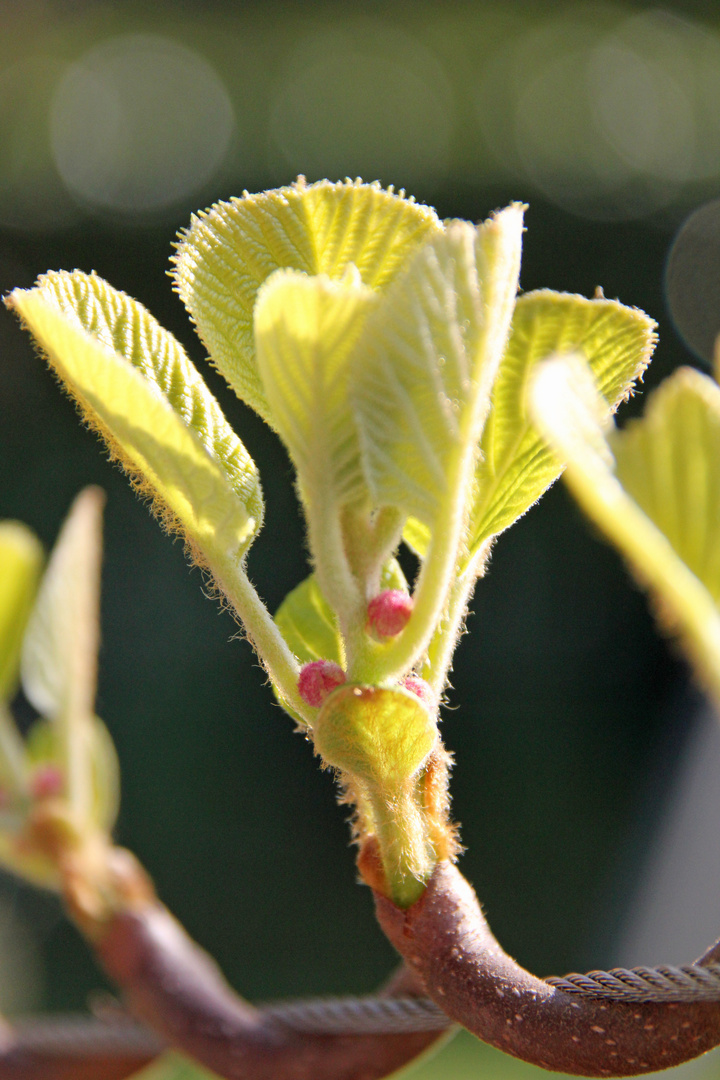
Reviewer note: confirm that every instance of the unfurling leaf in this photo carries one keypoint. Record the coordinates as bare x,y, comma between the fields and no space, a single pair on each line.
306,621
135,385
305,332
59,656
659,449
428,359
21,558
322,228
515,466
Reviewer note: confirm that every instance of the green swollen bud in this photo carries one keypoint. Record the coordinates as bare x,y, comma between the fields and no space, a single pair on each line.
380,737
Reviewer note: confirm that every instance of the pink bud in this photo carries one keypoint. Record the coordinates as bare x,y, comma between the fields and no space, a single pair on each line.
46,781
318,679
389,611
421,689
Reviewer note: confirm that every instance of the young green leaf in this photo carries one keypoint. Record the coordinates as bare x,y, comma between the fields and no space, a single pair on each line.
430,352
59,654
571,416
515,466
21,559
134,385
322,228
305,332
306,621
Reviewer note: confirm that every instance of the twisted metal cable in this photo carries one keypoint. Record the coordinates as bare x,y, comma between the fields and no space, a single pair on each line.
359,1016
688,983
375,1015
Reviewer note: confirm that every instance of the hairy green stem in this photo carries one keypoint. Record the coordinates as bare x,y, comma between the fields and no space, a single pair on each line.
444,641
405,850
271,647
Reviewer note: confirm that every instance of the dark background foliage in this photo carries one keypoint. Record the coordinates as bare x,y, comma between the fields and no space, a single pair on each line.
568,712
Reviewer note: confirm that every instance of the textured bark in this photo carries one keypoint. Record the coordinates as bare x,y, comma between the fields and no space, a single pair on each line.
446,941
173,986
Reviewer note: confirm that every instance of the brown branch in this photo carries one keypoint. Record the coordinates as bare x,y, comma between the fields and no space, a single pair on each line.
59,1055
446,941
173,986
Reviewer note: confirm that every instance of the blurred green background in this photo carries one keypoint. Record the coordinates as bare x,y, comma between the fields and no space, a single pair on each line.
569,714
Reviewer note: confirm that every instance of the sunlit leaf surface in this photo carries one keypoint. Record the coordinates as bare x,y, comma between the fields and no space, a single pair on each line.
429,353
516,466
322,228
305,332
200,476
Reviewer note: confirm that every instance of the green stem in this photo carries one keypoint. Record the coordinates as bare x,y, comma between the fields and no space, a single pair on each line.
269,644
335,577
444,641
436,576
405,850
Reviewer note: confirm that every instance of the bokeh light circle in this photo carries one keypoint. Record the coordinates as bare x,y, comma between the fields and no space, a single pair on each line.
692,280
139,123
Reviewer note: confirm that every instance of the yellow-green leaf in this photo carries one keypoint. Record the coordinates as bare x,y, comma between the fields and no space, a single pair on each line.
571,415
59,656
305,332
516,467
669,462
427,362
322,228
21,559
217,507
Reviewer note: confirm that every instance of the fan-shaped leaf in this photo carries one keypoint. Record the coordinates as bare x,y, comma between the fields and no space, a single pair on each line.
305,331
429,355
21,558
206,481
516,467
320,228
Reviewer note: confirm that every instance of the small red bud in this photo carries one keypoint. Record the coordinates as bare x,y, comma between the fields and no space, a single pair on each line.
421,689
389,611
46,781
318,679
